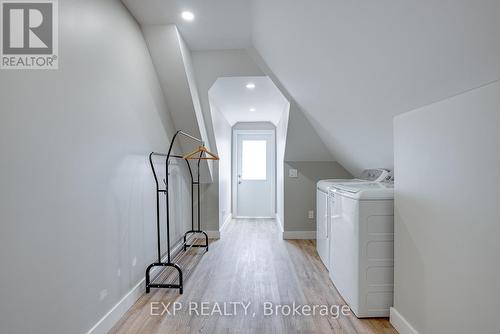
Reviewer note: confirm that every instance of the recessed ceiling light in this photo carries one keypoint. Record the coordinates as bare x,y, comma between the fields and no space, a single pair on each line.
250,85
252,109
187,15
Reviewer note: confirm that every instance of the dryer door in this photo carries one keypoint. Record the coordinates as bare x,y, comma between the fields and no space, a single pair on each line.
322,240
343,248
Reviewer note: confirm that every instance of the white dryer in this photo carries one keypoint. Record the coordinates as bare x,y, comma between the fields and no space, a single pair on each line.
362,246
323,208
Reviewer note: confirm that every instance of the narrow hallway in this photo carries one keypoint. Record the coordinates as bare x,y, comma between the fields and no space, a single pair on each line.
250,265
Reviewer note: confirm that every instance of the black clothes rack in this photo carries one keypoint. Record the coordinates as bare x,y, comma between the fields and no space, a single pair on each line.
151,284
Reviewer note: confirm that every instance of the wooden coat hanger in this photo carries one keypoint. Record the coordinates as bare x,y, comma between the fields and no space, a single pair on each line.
198,154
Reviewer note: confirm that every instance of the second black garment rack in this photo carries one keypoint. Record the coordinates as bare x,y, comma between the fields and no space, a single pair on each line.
200,154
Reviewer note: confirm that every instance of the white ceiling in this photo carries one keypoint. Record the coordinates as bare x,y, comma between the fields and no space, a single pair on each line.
353,65
234,100
218,24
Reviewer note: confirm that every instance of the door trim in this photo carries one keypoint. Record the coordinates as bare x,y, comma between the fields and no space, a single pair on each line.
234,179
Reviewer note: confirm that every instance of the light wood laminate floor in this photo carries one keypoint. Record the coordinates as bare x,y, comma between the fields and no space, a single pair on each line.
250,263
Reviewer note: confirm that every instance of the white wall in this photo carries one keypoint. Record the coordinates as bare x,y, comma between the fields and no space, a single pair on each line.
222,130
447,220
77,205
281,137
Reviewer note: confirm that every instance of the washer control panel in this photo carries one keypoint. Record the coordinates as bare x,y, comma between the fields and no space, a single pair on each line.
375,175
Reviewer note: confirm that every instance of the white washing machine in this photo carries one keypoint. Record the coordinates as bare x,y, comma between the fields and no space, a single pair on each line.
362,246
323,208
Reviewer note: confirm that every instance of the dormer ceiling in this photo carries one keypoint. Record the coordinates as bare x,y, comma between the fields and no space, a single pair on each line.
262,103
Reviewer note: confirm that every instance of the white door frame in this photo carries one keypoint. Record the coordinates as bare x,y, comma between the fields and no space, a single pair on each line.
234,167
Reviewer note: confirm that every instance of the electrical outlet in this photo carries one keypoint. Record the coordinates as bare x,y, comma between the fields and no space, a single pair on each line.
293,173
310,214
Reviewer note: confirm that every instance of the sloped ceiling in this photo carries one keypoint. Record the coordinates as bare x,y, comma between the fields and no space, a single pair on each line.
234,100
353,65
173,64
302,141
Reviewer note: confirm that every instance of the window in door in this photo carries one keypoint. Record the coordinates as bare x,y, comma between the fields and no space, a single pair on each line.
253,160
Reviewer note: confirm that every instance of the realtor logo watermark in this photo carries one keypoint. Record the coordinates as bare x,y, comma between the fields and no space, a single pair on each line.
29,35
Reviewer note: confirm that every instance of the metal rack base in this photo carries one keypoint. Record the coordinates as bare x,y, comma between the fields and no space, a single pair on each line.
186,246
150,285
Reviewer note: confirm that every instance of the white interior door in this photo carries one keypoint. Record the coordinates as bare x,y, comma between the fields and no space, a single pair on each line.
255,174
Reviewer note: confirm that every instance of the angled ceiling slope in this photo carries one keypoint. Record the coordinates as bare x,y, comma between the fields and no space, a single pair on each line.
172,61
353,66
302,141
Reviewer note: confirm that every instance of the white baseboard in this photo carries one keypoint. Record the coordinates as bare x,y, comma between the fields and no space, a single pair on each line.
226,221
400,323
116,313
299,235
280,224
107,322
